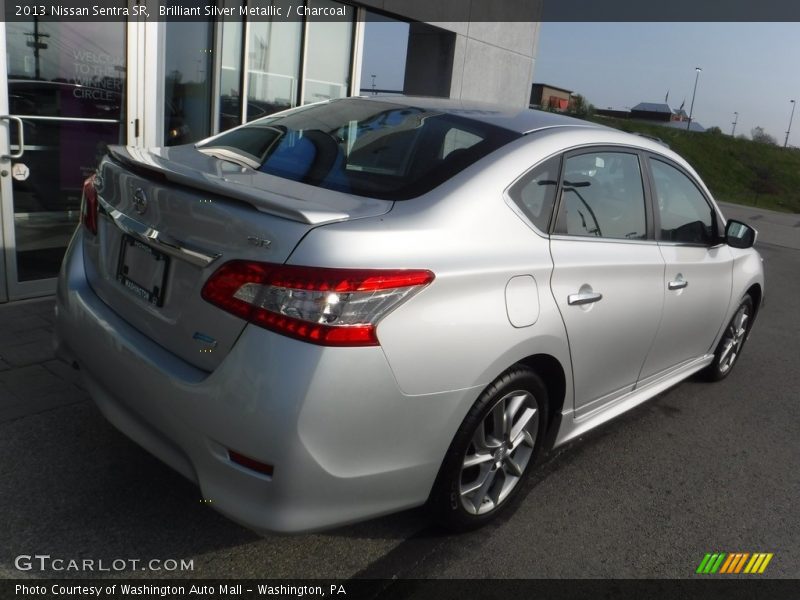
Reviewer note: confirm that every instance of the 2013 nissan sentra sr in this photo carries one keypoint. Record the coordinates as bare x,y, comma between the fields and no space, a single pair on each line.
360,306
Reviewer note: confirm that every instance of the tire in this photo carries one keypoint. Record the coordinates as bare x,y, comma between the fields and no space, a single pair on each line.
730,346
491,454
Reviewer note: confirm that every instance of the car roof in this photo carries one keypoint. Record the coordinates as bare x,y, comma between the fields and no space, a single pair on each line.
514,118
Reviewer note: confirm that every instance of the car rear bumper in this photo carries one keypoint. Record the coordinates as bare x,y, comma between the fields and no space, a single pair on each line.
344,442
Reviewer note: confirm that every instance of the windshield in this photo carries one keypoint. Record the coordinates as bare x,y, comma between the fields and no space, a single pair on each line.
363,147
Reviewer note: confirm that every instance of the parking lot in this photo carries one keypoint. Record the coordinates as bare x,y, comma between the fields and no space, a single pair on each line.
701,468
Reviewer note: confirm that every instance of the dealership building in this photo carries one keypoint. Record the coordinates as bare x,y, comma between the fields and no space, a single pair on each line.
69,88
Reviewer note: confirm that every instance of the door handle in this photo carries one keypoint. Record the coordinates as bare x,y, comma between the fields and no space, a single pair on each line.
20,137
583,298
678,284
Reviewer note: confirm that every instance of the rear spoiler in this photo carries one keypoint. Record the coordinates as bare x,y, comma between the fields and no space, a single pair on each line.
267,193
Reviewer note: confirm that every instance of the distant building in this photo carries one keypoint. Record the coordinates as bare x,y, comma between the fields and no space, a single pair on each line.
695,126
549,96
658,111
652,111
678,114
612,112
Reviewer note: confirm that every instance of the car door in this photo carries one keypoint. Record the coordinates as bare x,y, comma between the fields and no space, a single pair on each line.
699,267
608,271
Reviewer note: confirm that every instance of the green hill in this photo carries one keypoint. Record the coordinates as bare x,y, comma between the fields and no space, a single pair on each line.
735,170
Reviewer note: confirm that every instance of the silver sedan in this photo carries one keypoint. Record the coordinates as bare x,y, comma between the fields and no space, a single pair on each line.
357,307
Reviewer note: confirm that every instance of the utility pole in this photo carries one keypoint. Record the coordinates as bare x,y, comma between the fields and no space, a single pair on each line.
691,108
37,45
735,120
786,141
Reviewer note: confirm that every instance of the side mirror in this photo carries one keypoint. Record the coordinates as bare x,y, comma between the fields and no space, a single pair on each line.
739,235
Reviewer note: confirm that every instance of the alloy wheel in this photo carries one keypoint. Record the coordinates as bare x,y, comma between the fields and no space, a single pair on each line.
734,339
499,452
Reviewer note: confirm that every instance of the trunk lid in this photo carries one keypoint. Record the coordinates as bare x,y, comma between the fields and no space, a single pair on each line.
169,217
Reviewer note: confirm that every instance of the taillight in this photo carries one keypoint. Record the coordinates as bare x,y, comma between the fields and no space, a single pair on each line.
329,307
89,205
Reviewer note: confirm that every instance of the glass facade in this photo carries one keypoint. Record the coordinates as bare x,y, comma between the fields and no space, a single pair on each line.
230,73
188,69
385,50
329,48
277,63
67,83
273,72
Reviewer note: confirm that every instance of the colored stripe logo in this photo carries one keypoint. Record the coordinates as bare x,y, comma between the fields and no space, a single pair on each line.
734,563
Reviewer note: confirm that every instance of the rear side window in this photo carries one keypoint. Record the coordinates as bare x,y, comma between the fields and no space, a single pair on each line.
603,196
684,214
364,147
535,193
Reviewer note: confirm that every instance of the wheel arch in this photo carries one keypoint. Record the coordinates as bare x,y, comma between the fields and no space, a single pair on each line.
549,373
757,294
552,373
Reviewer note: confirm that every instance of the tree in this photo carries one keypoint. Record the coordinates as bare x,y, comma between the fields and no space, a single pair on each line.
762,137
714,130
580,107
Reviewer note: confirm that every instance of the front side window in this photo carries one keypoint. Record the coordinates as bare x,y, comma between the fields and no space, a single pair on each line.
603,196
535,193
364,147
684,214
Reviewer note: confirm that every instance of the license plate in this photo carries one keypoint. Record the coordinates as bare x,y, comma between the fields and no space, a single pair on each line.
142,270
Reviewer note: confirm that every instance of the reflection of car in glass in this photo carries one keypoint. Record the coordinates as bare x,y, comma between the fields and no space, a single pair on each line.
100,100
357,307
231,111
58,154
176,131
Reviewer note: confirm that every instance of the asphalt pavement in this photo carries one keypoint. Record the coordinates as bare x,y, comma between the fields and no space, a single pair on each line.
777,228
701,468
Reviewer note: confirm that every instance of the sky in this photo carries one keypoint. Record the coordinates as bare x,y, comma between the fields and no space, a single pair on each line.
384,55
749,68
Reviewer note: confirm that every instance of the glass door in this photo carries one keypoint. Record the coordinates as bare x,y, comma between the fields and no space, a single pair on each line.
62,101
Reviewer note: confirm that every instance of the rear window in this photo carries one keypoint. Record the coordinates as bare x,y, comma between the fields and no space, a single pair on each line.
362,147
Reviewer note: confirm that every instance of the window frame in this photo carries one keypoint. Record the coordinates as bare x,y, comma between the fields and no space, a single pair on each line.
513,204
647,191
717,221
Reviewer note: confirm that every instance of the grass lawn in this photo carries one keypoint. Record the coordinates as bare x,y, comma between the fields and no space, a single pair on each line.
735,170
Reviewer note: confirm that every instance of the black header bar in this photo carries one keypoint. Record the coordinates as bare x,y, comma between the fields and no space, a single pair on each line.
745,587
419,10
